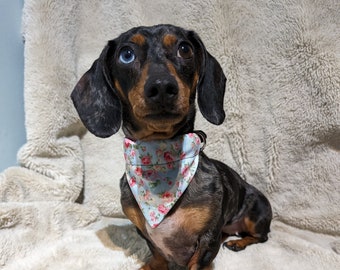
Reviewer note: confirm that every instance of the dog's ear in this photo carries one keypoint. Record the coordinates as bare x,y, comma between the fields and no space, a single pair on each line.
211,83
95,98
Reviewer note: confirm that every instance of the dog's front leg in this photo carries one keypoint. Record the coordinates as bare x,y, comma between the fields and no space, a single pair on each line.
207,248
156,262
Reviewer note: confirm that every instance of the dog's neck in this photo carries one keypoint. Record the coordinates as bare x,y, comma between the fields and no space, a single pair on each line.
158,172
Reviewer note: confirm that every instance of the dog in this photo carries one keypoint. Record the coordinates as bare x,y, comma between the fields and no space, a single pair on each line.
146,82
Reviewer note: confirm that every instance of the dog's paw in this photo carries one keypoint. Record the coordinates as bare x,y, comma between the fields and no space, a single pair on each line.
233,245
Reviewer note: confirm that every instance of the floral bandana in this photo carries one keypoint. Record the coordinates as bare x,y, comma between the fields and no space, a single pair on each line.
158,172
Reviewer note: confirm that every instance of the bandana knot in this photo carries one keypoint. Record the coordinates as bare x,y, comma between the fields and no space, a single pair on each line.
158,172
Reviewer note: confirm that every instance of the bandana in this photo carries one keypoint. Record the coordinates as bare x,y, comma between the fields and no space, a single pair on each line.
158,172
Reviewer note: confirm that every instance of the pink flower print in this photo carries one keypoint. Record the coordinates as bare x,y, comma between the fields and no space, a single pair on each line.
198,141
191,135
133,153
126,144
168,157
132,181
141,182
162,209
153,216
138,171
148,173
146,160
170,183
147,195
182,156
168,196
185,170
170,165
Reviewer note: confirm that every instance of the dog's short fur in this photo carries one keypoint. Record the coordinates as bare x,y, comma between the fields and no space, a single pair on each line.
147,80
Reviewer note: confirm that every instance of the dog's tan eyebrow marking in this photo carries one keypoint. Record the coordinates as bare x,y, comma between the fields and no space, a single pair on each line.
169,40
139,39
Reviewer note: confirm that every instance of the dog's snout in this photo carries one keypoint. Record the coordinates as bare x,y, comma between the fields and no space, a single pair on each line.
161,90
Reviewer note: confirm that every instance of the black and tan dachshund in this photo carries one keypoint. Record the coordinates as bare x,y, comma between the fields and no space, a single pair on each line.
146,81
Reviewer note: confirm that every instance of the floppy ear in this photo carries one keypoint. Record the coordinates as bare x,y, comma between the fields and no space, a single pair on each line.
96,100
211,84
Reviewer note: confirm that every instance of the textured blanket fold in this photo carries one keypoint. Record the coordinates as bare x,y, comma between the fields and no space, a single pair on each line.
60,209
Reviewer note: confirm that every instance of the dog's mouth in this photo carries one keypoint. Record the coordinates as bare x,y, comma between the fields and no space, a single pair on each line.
163,115
157,124
162,121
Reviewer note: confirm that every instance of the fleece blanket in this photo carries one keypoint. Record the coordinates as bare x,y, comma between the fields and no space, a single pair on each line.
60,209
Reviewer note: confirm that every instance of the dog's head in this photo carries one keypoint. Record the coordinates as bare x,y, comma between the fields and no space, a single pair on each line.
147,78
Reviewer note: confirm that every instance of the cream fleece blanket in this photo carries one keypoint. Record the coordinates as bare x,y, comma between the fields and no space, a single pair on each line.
60,208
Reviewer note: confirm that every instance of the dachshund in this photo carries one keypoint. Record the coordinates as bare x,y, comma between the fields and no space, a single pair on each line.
146,82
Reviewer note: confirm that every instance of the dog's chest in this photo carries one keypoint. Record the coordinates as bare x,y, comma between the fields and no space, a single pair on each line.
177,235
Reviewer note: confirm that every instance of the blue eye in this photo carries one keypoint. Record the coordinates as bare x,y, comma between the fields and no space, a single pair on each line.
127,55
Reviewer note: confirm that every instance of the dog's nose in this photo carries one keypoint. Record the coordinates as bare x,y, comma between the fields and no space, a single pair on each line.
161,91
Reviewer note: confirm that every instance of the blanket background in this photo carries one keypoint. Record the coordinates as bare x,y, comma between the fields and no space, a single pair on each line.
60,208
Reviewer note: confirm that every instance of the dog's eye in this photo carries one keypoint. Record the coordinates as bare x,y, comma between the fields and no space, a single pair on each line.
184,50
127,55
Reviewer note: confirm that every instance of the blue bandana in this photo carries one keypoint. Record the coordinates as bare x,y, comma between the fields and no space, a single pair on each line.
158,172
